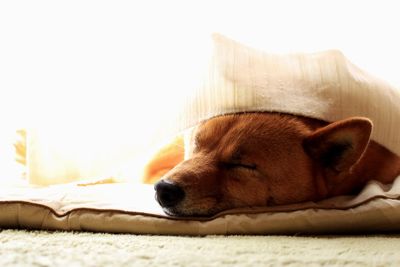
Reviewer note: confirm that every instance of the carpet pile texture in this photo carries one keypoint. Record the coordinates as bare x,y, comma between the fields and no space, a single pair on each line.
41,248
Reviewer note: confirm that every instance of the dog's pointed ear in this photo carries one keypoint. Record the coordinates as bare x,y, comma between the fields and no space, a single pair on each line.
341,144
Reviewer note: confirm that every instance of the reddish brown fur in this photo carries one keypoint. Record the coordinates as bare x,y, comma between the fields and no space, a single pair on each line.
260,159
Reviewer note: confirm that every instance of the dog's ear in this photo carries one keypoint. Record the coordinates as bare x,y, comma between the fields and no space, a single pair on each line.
341,144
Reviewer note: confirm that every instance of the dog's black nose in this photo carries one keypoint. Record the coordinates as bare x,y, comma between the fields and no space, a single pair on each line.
168,194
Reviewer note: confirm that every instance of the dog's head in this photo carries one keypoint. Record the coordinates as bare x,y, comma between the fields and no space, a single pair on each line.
261,159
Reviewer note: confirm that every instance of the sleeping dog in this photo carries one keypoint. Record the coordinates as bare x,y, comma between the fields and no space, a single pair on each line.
264,159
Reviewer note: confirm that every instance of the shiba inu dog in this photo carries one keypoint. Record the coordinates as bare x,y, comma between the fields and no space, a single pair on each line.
264,159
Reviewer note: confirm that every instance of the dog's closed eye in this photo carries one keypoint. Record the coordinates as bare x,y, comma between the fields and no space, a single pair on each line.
233,165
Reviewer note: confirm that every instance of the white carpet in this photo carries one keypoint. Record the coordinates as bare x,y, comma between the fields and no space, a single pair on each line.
40,248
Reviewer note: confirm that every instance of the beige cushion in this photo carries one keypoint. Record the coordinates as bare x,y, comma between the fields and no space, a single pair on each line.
130,208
